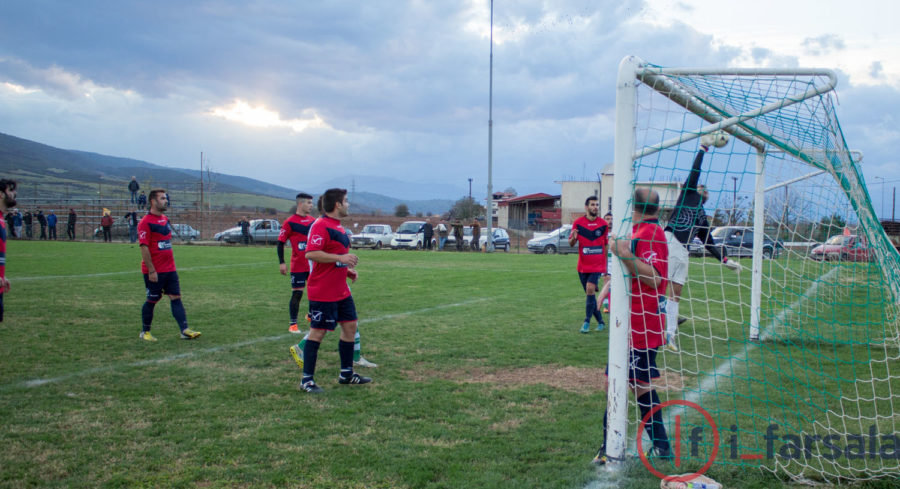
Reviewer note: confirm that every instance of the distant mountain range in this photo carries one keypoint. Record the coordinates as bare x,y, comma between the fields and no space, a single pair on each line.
51,168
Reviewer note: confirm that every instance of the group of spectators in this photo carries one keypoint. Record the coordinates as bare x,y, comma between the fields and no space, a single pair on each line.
443,230
139,200
21,225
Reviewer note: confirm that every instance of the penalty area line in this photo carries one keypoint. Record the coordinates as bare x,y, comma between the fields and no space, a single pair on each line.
215,349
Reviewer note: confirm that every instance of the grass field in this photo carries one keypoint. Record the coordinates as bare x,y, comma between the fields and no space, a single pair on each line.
483,380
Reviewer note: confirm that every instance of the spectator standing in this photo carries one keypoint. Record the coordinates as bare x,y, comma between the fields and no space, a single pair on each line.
428,231
70,224
133,187
132,218
27,220
458,234
443,233
51,223
106,223
17,222
10,218
142,200
42,220
245,230
476,235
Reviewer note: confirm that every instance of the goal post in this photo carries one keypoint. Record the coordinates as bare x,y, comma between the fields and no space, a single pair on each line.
807,337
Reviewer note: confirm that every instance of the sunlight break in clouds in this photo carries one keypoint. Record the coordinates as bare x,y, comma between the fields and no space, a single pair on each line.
260,116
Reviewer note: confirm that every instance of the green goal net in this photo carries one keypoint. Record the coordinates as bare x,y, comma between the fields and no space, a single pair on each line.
796,358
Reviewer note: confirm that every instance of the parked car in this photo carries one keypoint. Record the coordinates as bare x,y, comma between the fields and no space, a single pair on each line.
844,248
696,248
556,241
501,239
184,232
119,229
374,236
261,231
738,242
410,235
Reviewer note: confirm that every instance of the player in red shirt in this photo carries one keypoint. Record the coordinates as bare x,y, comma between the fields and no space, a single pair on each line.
295,229
158,266
592,234
645,257
330,301
8,192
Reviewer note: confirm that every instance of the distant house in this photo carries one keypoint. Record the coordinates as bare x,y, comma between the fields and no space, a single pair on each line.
574,193
538,211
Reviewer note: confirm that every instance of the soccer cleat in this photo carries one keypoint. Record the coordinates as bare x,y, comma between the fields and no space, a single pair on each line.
600,326
311,387
308,319
146,336
600,458
354,379
681,320
189,334
658,453
294,329
297,355
586,327
671,345
606,309
362,362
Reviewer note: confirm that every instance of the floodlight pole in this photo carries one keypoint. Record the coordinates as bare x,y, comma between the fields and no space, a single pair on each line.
489,209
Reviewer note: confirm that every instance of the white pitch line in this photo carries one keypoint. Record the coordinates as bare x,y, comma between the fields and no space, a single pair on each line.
189,354
136,271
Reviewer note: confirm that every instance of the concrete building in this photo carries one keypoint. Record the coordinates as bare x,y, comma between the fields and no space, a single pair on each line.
574,193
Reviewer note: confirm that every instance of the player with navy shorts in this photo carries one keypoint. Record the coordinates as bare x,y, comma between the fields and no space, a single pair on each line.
330,301
592,234
295,230
8,201
645,257
158,267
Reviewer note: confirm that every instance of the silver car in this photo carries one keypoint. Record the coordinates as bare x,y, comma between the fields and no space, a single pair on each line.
556,241
375,236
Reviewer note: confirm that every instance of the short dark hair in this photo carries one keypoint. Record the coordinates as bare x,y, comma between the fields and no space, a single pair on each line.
331,197
7,184
303,195
589,199
646,201
155,192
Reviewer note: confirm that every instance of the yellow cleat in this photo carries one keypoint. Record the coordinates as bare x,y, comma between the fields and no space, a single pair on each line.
297,355
146,336
189,334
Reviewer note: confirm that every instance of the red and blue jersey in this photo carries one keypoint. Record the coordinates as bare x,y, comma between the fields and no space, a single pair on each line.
328,281
296,229
648,243
155,233
593,237
2,250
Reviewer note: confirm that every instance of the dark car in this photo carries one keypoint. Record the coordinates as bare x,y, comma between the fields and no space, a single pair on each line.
738,241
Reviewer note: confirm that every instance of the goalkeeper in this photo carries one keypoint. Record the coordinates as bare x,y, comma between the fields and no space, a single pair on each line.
688,218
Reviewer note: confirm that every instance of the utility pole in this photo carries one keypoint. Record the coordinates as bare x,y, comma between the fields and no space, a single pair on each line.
201,195
489,212
894,204
470,188
734,201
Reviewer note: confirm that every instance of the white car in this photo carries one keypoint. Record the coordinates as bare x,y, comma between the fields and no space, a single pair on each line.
410,234
374,236
185,231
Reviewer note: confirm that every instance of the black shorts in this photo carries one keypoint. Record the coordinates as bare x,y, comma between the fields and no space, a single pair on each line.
1,308
592,277
166,283
327,315
641,366
298,279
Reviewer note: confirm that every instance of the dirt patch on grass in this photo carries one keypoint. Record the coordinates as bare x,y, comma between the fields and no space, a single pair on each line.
572,379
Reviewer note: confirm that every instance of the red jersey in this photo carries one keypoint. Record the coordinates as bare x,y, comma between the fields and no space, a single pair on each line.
296,229
155,233
648,243
2,249
593,237
328,281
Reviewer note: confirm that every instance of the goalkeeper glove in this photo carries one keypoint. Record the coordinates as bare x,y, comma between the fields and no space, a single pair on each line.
732,265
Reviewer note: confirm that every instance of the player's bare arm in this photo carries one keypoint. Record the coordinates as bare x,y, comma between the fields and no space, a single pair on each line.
644,271
151,270
573,237
320,256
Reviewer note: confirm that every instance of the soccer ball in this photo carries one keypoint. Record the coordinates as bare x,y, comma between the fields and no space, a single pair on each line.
717,139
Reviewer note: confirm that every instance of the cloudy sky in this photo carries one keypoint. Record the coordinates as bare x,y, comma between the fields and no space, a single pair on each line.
297,93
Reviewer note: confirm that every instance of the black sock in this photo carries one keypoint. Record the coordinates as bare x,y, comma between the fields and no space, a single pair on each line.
655,428
603,446
590,307
310,355
179,314
345,350
295,305
147,315
597,314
